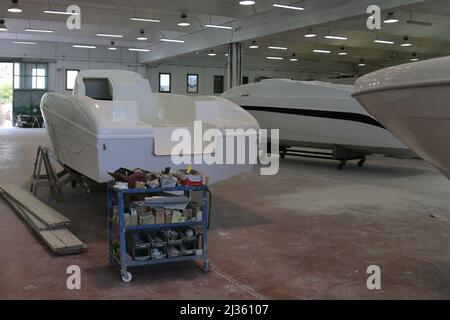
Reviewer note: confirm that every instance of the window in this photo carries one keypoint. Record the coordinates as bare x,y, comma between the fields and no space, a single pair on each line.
165,82
218,84
30,76
97,88
71,75
192,83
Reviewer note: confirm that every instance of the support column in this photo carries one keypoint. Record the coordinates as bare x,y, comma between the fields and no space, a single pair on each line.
234,65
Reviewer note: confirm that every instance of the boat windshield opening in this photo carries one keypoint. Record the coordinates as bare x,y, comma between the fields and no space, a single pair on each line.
98,88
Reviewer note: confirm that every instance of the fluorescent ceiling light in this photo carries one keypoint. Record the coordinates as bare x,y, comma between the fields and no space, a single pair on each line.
112,48
321,51
212,54
83,46
406,44
138,50
145,20
342,53
23,42
14,8
109,35
3,25
254,47
384,41
247,3
61,12
294,60
274,58
184,24
277,48
39,30
218,27
361,64
172,40
414,59
336,37
184,21
310,34
390,18
288,7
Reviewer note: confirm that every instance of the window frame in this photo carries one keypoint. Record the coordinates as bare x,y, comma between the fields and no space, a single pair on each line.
170,82
187,82
78,71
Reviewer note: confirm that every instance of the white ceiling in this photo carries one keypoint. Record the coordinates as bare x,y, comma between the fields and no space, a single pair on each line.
112,16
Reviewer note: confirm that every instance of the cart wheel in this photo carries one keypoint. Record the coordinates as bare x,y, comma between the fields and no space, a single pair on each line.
206,266
361,162
341,166
126,277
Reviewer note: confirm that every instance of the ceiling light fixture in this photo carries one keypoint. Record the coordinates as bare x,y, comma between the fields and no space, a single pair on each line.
14,8
172,40
113,46
336,37
277,48
383,41
106,35
218,27
274,58
138,50
23,42
184,21
61,12
310,34
247,3
39,30
145,20
253,45
361,63
321,51
406,42
141,36
3,25
414,57
390,18
293,59
276,5
82,46
342,52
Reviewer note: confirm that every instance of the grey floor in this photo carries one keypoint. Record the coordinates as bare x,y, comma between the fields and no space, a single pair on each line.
310,232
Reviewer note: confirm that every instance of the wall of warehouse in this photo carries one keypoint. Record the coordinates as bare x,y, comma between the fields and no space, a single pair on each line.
207,67
61,56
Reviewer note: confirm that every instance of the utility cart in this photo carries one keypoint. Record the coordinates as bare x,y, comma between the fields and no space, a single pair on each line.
151,243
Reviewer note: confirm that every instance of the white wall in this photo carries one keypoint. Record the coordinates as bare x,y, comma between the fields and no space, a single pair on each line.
253,67
63,56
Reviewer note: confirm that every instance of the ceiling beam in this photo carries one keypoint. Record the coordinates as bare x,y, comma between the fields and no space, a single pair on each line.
268,23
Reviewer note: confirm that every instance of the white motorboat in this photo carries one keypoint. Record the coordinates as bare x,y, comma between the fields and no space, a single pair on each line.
113,120
319,115
413,102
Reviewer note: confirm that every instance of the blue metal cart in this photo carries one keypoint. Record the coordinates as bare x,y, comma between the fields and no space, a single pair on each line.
116,198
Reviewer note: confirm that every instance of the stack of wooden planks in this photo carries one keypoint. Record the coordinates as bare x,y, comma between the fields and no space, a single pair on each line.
47,223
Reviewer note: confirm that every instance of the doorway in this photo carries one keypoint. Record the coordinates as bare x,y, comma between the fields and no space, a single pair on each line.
6,94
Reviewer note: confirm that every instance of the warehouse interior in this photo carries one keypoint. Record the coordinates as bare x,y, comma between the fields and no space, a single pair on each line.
311,231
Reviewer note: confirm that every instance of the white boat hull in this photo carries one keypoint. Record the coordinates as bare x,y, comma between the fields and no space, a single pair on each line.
94,137
413,106
316,115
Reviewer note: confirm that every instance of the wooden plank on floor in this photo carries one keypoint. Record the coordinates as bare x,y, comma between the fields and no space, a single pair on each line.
60,241
34,222
38,208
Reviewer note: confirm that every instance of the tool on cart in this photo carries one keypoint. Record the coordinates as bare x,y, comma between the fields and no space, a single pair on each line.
164,233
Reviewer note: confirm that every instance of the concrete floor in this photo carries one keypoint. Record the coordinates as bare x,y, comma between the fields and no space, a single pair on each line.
308,233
